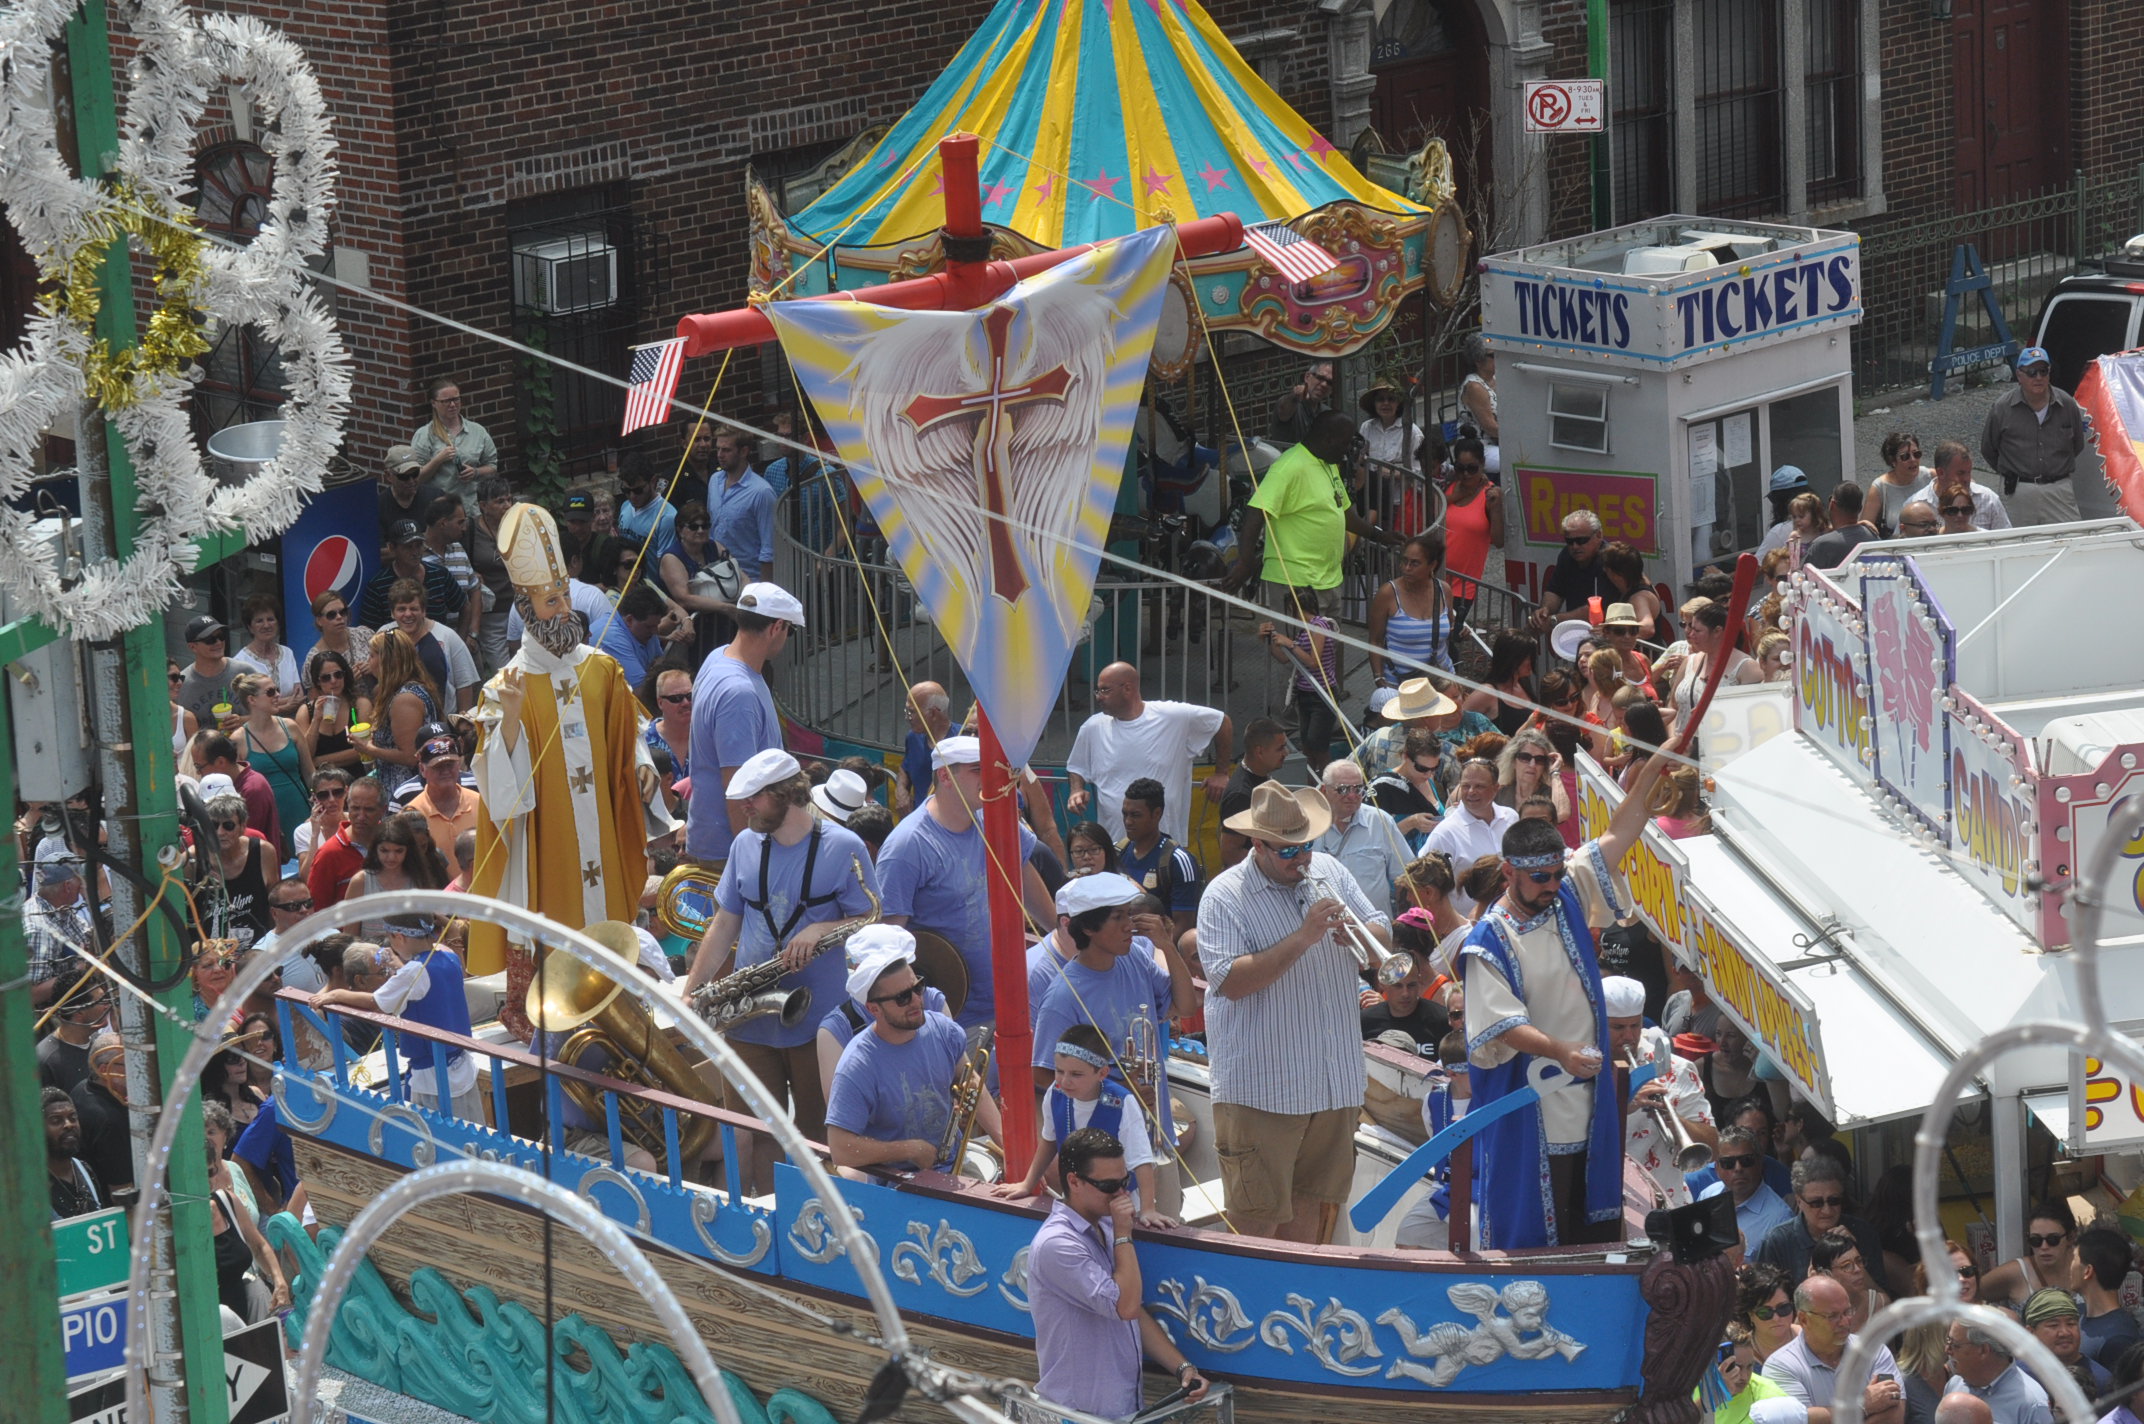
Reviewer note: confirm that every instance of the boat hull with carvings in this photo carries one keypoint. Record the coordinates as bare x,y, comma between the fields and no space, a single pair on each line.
1303,1333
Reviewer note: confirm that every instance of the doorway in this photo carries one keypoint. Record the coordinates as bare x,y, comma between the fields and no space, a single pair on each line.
2006,71
1431,60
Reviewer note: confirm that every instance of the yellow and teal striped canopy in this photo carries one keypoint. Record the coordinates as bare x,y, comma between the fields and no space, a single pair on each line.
1098,118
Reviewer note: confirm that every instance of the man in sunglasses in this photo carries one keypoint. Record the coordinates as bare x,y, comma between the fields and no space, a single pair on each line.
892,1094
404,491
1084,1288
1740,1167
1533,994
1953,482
1820,1193
1577,577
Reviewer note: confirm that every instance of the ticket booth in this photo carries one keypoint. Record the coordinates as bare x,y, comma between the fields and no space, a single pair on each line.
1658,373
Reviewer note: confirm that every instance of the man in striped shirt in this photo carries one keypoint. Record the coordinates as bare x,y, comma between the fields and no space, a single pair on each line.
1282,1006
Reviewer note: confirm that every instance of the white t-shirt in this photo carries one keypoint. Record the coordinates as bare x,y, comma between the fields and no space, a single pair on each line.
461,667
284,674
1466,838
412,982
1111,753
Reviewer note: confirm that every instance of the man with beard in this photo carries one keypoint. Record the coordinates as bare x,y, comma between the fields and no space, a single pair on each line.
560,766
791,877
74,1186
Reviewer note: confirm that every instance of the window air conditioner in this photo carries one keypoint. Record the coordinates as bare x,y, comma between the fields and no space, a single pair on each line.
565,275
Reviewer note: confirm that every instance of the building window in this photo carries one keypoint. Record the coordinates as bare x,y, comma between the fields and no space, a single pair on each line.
1641,40
242,375
1739,108
1578,416
576,264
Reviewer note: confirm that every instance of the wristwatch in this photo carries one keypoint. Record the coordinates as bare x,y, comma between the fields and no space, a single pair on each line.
1182,1369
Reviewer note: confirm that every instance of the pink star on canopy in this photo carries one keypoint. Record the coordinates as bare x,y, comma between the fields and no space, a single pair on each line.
1262,166
1102,185
1156,181
1215,177
1045,186
1295,159
998,193
938,184
1320,149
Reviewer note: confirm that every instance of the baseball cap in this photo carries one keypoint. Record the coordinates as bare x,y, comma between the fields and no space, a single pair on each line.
771,600
436,748
874,949
580,502
1788,477
402,458
204,628
56,861
2032,356
405,531
217,783
1103,890
760,771
956,751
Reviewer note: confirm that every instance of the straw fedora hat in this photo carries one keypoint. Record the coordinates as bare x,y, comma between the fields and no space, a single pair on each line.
1369,399
1289,815
1418,697
1620,615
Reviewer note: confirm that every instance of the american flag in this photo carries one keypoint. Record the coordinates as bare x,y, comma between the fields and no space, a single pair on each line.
656,367
1289,253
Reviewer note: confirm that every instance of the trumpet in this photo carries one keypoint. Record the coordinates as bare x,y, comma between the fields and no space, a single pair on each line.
1690,1154
1389,967
966,1156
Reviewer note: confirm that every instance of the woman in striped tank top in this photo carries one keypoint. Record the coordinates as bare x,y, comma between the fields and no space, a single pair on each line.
1411,617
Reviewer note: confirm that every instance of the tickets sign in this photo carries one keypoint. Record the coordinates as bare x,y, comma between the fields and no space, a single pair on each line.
1740,978
1626,502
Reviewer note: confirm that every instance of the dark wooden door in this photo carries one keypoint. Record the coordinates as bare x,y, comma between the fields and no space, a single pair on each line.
2008,124
1432,66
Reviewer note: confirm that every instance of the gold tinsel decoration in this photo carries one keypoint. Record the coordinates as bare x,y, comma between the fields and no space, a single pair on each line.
173,335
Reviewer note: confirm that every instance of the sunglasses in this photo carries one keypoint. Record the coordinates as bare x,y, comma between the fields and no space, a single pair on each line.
333,614
1957,509
1912,454
1545,877
332,793
1823,1203
403,477
228,825
1292,852
176,677
1770,1312
1350,790
1533,757
2035,1240
294,907
696,524
325,673
1574,540
901,998
1422,768
1745,1159
1468,468
674,697
1107,1186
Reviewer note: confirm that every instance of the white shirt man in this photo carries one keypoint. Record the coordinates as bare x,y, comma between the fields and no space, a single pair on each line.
1954,471
1674,1084
1363,838
1474,826
1128,738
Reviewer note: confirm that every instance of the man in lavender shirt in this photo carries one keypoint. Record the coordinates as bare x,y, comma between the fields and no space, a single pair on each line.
1083,1285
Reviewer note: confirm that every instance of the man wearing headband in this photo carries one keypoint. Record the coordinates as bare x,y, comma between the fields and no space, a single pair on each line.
1674,1086
425,988
892,1094
1533,991
2051,1313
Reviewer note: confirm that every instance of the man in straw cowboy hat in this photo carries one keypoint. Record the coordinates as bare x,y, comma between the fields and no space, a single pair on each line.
1273,941
1550,1173
1419,702
560,766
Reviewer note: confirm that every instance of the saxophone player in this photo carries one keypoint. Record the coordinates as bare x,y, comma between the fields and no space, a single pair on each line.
792,878
892,1094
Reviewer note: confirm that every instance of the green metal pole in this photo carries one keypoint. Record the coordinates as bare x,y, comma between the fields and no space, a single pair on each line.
29,1308
1597,68
130,711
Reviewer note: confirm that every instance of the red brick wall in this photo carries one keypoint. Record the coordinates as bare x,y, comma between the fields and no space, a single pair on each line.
1918,99
2106,86
1567,159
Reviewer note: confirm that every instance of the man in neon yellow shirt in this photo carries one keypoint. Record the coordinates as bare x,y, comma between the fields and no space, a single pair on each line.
1303,510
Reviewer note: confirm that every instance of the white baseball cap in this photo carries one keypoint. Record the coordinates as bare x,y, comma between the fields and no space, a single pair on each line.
957,751
217,783
874,949
771,600
761,771
1103,890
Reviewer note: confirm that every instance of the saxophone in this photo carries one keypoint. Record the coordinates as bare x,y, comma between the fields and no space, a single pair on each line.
967,1157
752,992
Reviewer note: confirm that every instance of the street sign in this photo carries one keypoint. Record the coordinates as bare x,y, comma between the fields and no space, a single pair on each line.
253,1374
92,1251
1566,105
93,1330
102,1403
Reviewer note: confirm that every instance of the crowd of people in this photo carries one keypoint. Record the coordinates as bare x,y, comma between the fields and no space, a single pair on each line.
1438,830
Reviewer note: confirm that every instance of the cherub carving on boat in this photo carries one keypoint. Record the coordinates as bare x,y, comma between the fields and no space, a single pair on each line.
1523,1334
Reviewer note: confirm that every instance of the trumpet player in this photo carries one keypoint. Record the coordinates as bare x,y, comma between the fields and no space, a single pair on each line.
1674,1087
791,878
892,1094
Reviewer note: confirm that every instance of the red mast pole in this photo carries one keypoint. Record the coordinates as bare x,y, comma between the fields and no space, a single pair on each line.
971,280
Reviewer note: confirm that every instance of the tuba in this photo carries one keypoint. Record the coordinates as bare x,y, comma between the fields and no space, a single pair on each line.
684,901
978,1160
752,992
568,995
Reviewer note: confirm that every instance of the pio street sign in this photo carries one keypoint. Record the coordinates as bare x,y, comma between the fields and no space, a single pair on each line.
1567,106
93,1331
92,1251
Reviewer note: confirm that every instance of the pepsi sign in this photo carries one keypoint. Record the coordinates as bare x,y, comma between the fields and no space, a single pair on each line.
334,547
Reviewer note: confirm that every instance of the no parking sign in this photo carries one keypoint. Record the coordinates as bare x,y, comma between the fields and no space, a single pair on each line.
1566,105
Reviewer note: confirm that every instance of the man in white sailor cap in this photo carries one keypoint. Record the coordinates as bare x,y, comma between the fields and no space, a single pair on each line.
892,1095
733,713
1674,1085
791,878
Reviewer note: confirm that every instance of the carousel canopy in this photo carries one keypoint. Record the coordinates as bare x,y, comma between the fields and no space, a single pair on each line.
1099,117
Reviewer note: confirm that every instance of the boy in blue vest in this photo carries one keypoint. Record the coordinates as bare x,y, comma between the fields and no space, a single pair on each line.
425,988
1081,1097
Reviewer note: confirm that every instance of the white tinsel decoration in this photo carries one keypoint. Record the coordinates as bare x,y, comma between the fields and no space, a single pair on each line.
266,285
